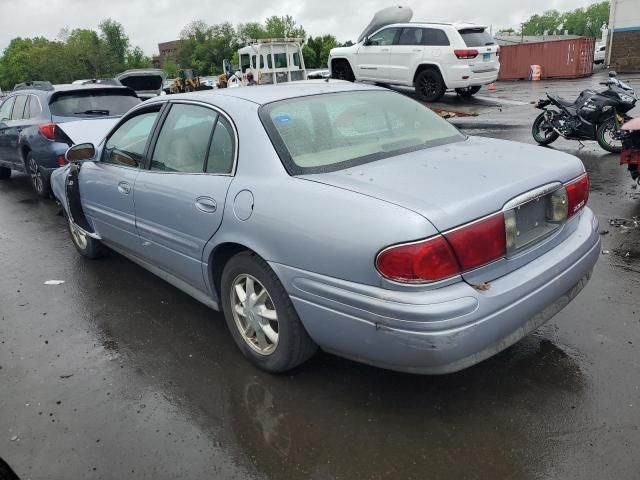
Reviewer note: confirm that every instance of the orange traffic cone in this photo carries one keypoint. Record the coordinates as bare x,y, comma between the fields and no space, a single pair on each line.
492,87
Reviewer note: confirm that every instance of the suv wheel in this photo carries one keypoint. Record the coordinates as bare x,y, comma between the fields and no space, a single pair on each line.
261,317
5,173
341,70
39,181
467,91
429,85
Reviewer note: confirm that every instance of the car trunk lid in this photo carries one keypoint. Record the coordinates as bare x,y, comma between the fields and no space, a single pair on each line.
147,83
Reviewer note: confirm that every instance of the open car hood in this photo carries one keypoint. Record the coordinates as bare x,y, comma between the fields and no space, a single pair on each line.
88,130
384,17
144,81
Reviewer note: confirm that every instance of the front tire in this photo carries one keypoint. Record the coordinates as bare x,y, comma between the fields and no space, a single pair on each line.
430,86
605,133
261,317
542,133
39,180
85,245
468,91
5,173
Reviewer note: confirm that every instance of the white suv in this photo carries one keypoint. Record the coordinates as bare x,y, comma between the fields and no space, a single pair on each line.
432,57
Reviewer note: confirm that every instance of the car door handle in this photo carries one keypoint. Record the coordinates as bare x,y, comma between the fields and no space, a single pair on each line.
124,188
206,204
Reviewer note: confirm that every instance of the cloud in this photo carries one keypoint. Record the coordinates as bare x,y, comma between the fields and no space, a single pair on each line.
149,22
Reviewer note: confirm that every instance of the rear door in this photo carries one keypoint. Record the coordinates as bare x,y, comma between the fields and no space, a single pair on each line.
407,51
106,186
180,197
373,58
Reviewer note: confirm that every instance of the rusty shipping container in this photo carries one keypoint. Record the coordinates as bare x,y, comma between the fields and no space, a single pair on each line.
571,58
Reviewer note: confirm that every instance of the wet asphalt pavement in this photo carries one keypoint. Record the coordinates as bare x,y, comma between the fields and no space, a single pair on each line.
116,374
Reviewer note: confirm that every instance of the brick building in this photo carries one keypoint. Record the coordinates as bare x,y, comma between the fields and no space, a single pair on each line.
167,50
623,48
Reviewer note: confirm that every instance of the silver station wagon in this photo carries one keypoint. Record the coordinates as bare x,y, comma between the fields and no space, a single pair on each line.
340,216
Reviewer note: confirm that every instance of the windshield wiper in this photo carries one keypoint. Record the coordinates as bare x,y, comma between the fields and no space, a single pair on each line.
93,112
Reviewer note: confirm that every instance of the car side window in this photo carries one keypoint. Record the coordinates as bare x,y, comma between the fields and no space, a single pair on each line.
32,109
411,36
5,109
184,138
221,150
384,37
434,37
126,145
18,108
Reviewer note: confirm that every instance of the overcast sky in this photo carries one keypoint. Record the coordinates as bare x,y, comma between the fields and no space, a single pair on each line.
148,22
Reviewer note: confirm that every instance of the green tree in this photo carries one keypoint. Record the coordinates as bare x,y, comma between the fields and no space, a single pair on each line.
250,30
581,21
283,27
137,59
116,42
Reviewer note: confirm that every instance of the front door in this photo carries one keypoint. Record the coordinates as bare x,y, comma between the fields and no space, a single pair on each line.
180,197
10,132
373,57
107,185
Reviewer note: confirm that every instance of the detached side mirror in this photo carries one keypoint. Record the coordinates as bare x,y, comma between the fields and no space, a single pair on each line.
80,153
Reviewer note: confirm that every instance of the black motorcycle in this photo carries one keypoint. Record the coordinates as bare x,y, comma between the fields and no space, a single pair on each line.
592,116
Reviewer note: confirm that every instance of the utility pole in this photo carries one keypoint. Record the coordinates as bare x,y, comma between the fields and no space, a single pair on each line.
522,32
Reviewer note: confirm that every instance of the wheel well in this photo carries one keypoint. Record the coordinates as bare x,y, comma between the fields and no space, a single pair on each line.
423,67
25,151
219,258
340,60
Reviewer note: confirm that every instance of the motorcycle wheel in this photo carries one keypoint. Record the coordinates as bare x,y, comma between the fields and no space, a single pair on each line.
543,133
604,135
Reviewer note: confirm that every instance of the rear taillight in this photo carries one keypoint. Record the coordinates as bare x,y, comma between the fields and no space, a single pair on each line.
62,161
444,256
48,130
468,53
577,194
479,242
425,261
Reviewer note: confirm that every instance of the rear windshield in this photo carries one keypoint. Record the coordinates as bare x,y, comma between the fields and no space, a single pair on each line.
91,103
476,37
329,132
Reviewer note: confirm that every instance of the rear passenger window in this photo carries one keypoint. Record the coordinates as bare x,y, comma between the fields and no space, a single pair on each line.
410,36
434,37
220,158
183,140
33,108
18,108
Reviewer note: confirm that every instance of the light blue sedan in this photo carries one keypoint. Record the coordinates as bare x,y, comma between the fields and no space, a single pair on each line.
340,216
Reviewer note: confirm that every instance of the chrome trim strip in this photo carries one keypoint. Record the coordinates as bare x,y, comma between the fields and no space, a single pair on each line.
531,195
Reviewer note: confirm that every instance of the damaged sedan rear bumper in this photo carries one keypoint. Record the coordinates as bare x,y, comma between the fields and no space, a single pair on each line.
446,329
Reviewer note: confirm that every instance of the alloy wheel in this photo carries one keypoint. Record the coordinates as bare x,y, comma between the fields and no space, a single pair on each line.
36,176
79,238
429,87
254,314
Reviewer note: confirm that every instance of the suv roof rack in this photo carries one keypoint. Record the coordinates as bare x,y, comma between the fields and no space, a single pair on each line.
35,85
253,41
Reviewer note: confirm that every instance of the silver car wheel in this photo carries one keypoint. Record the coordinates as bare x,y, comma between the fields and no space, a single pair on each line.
79,238
254,314
36,175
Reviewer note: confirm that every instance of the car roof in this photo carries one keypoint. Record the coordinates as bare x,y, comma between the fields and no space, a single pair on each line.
456,25
271,93
68,88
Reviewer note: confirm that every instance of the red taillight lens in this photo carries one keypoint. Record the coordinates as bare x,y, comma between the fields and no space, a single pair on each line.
480,242
61,160
48,130
577,194
424,261
468,53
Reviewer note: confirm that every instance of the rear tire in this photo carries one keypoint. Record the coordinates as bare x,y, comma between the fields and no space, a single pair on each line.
5,173
541,134
430,86
604,136
39,180
341,70
85,245
275,343
468,91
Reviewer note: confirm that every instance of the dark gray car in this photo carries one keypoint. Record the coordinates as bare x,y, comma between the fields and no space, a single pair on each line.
31,137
